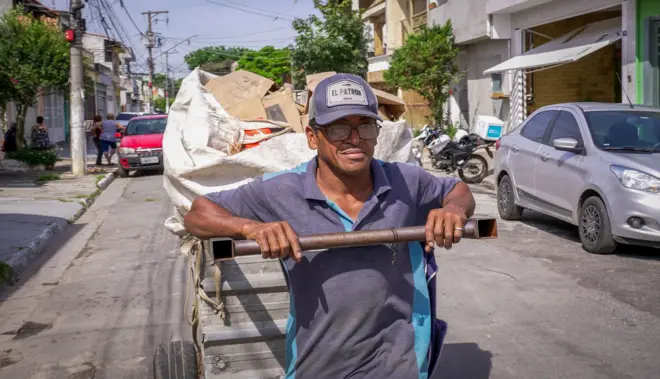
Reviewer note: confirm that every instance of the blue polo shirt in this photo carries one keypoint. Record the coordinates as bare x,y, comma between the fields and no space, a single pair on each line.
355,312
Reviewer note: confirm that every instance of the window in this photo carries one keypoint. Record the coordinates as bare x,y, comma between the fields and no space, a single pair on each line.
497,83
148,126
535,128
620,128
566,127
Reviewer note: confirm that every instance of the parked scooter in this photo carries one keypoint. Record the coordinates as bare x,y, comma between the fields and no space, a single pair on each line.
458,154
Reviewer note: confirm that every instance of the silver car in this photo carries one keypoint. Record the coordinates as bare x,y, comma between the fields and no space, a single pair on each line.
594,165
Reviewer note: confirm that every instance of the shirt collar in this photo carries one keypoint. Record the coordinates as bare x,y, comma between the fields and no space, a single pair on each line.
313,192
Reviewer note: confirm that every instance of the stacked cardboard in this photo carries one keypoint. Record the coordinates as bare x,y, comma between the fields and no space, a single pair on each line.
249,97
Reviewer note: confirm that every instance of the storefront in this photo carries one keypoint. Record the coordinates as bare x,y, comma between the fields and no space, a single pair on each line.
648,52
569,51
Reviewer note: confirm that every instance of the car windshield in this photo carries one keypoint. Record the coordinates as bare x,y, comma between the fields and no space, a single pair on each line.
153,126
625,130
125,116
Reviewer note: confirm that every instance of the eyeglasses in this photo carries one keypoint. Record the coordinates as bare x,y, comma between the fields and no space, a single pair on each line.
340,132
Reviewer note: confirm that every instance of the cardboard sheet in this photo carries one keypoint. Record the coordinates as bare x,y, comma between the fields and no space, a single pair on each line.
237,87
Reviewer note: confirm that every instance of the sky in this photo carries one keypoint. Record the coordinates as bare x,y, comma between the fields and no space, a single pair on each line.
248,23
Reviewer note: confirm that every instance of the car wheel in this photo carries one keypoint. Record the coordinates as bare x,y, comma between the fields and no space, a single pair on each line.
595,228
506,200
122,172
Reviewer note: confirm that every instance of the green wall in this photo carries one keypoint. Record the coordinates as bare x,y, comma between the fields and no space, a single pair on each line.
645,8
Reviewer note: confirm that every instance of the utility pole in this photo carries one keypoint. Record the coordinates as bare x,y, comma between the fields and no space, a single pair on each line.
78,139
167,80
151,43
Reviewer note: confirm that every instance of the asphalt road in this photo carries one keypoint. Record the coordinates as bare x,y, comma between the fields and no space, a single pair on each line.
533,304
99,302
530,304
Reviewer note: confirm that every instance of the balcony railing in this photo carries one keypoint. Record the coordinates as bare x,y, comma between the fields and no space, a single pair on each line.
419,20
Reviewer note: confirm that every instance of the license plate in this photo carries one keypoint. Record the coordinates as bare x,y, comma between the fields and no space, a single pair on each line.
148,160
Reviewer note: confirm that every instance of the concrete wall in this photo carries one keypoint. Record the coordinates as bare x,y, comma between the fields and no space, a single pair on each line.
468,17
480,57
508,6
5,5
395,14
557,10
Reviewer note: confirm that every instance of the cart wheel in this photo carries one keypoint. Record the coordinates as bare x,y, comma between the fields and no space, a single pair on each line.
176,360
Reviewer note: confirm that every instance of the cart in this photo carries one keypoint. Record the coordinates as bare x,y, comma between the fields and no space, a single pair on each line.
241,307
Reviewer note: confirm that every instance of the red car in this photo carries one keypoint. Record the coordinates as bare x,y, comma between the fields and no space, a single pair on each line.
141,146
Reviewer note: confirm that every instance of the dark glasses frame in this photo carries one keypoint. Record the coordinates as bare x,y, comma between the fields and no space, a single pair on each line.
327,128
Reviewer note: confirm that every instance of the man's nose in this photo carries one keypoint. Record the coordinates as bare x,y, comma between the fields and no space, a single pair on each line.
354,138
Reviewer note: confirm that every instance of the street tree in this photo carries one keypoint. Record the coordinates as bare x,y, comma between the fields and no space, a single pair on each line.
268,62
160,80
335,42
34,57
426,63
159,103
213,55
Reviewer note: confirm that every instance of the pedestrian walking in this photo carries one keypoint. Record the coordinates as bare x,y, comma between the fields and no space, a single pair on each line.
39,138
107,137
9,141
97,129
355,312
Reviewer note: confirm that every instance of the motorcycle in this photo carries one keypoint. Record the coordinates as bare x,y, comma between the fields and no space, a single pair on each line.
432,135
451,155
426,130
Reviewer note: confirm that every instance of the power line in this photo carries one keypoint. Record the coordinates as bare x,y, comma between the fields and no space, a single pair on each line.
235,35
255,8
131,18
275,18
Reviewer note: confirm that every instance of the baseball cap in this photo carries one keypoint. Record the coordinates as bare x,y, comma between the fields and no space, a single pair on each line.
342,95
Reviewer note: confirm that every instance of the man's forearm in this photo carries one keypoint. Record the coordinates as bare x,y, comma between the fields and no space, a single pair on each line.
460,197
207,220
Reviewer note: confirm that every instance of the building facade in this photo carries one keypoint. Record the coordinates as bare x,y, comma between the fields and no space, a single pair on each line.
540,52
112,88
648,52
389,23
52,105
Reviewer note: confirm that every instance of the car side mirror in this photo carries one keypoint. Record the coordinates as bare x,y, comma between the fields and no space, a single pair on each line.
567,144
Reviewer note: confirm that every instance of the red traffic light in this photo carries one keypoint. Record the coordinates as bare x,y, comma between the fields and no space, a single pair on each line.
70,35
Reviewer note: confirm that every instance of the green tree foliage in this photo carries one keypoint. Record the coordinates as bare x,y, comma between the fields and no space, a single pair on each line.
159,103
213,54
426,63
160,80
33,56
337,42
268,62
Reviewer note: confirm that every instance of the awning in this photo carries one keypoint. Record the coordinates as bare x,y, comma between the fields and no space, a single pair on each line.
568,48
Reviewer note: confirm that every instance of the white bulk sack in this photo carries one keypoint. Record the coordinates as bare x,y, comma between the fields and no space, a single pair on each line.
200,136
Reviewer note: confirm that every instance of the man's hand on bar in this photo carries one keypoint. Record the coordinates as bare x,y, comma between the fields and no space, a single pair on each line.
445,226
276,239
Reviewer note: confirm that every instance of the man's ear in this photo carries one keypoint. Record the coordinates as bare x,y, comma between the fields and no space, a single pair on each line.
312,138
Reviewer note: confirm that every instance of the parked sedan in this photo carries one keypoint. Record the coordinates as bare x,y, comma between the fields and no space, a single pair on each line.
594,165
142,145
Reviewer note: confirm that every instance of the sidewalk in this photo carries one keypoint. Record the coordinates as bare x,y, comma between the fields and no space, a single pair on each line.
35,206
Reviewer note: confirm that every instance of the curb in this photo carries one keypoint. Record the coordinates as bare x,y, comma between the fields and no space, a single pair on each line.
24,257
105,182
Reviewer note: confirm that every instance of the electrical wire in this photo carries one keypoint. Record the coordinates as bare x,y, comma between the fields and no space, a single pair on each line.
275,18
131,18
232,36
255,8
